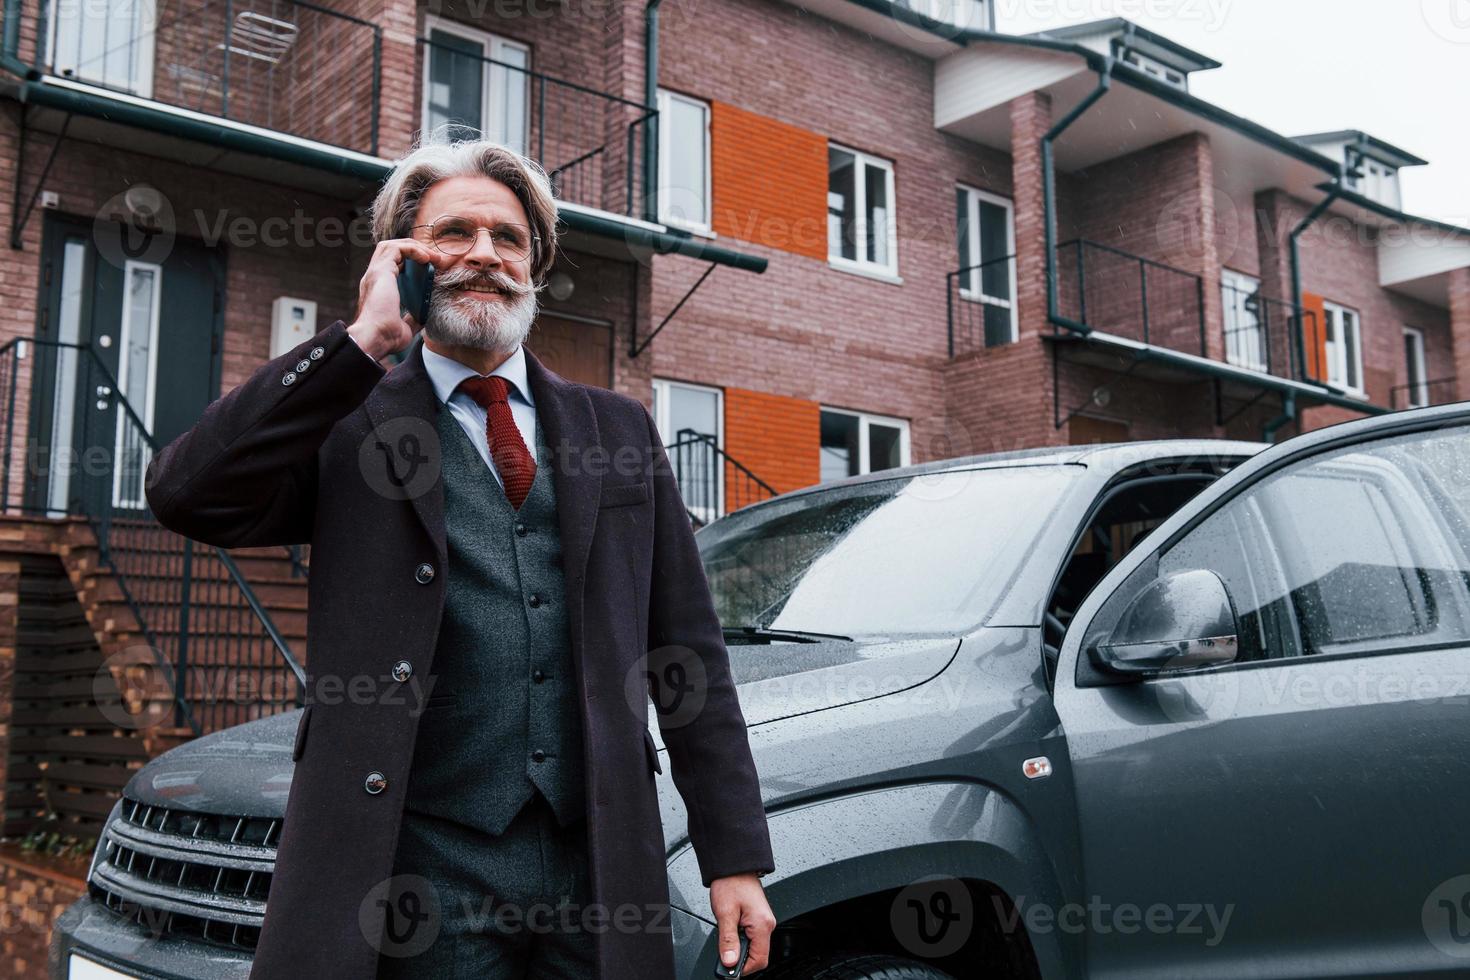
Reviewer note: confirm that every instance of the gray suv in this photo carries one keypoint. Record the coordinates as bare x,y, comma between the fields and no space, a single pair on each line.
1164,709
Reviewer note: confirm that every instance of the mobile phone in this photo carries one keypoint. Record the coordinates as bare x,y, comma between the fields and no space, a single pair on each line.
734,971
415,287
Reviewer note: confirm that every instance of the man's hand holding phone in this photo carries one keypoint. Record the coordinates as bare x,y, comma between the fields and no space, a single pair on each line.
381,327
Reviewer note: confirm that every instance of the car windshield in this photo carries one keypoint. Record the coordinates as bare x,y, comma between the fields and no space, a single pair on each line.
931,553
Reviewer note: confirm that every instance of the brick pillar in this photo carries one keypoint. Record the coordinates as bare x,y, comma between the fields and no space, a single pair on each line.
1030,119
1460,330
398,92
1208,255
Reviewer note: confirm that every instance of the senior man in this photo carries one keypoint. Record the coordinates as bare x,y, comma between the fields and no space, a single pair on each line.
496,591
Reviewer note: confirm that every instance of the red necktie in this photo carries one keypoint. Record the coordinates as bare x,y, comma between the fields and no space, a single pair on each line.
513,461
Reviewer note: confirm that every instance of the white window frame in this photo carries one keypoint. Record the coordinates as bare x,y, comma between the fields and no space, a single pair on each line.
661,421
973,197
142,54
1418,393
1155,68
860,201
970,14
865,421
1235,287
492,46
1336,356
145,407
665,97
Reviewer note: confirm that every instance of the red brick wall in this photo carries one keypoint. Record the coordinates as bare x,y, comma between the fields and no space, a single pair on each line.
1339,262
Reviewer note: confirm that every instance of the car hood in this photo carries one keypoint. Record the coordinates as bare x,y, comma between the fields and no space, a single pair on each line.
243,770
246,769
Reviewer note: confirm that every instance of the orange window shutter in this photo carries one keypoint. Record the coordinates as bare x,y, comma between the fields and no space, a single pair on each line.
1314,336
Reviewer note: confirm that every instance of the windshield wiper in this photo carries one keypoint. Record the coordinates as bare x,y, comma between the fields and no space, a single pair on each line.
766,633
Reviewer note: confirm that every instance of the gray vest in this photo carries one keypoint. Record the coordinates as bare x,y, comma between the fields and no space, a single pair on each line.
502,719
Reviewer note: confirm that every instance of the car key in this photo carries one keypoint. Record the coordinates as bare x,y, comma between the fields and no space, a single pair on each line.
734,971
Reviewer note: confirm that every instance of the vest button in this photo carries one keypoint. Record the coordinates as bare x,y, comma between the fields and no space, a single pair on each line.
376,782
537,676
424,574
538,756
535,600
402,670
520,529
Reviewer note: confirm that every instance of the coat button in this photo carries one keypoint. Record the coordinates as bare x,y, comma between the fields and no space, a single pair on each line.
317,352
424,574
302,365
537,676
289,378
376,782
535,600
538,756
402,670
520,529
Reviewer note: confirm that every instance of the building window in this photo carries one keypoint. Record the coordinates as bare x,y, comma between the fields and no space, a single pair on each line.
860,227
683,161
1156,69
1379,181
987,244
478,82
970,14
855,442
1418,387
137,380
1344,348
1245,334
690,420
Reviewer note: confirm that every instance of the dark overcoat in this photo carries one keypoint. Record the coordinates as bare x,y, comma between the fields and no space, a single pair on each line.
322,445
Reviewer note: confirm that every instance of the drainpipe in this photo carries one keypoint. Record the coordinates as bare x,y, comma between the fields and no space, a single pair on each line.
1338,186
1049,194
650,98
1288,414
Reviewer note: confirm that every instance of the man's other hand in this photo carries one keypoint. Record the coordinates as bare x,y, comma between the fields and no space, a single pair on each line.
739,900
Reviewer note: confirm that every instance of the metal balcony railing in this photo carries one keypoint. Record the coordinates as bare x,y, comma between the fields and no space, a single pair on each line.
712,482
590,143
86,451
285,65
1126,295
981,303
1422,394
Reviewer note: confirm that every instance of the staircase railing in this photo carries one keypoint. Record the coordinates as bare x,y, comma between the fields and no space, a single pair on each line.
712,482
86,453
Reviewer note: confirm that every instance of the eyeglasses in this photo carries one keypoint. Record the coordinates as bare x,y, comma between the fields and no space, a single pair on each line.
455,236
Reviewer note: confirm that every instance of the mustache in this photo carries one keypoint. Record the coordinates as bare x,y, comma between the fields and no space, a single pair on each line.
458,278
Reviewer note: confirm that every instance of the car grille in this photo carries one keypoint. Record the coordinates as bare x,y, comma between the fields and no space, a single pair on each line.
203,876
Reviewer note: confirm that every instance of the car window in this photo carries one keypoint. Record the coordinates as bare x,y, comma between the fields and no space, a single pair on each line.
1357,550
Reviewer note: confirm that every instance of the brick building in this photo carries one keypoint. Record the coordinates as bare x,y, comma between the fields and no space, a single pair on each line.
820,238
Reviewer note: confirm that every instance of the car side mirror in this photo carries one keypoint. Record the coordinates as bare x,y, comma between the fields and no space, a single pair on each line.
1182,621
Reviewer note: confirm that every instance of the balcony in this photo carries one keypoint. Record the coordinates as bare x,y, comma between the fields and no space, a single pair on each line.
1139,299
593,145
1422,394
285,66
981,301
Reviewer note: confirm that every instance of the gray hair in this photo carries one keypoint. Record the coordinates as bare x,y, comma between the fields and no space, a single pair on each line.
437,157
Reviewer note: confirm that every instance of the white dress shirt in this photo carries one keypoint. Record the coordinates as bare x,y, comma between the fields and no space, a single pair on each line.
445,373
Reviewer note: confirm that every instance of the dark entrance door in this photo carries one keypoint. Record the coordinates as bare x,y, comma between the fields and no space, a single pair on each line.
127,354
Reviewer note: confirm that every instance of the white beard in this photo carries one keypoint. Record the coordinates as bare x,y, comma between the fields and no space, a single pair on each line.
459,320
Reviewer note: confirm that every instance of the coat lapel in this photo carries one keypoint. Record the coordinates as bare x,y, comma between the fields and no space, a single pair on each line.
571,431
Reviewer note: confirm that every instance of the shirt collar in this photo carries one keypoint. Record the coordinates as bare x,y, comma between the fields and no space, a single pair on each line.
446,373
